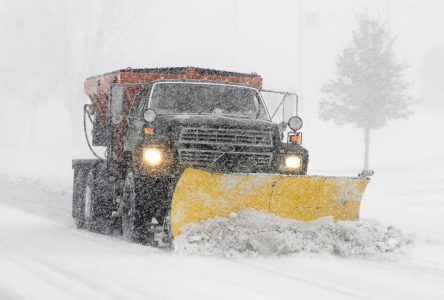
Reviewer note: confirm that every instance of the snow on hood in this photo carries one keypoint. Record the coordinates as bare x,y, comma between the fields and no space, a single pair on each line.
254,233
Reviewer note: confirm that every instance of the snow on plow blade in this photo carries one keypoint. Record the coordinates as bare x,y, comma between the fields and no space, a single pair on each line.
200,195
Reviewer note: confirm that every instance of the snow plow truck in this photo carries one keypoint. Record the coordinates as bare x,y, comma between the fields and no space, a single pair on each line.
182,145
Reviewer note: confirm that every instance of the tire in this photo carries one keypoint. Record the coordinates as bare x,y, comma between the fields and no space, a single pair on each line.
135,214
98,202
78,197
90,203
93,199
143,199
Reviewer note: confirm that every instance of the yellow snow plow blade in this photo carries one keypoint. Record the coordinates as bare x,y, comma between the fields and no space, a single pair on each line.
200,195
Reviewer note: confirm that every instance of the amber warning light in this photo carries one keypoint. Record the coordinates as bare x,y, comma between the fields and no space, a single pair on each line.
148,131
296,138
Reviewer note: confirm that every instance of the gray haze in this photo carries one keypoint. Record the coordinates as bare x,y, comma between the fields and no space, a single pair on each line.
49,47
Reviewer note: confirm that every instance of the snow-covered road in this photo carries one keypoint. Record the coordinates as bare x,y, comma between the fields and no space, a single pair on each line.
43,256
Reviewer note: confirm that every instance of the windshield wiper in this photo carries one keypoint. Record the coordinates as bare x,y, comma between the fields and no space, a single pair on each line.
237,116
240,115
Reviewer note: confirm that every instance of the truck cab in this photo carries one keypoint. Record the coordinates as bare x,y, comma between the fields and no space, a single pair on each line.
210,125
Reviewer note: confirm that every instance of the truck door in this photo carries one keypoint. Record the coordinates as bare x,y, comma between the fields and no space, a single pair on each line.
135,121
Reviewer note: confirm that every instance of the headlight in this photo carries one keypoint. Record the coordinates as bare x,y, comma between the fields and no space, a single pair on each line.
293,162
152,156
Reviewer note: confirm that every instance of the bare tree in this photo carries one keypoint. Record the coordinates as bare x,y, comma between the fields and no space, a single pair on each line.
65,41
18,61
51,46
84,35
369,88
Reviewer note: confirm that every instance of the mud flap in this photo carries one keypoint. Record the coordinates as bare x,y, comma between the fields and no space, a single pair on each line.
200,195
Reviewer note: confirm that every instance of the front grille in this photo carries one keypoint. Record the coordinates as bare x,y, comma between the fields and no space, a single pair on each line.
204,158
218,136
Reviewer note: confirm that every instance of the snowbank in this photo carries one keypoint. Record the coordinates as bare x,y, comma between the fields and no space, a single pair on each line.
254,233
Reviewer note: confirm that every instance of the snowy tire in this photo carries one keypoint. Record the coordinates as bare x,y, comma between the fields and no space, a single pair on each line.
134,216
78,196
89,202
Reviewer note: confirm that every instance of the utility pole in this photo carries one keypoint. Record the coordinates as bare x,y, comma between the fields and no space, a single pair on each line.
300,89
389,13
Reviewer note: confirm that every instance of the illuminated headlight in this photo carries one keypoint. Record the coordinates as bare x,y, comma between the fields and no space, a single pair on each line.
293,162
152,156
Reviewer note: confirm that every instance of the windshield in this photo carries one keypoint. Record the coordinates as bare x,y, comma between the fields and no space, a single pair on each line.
182,98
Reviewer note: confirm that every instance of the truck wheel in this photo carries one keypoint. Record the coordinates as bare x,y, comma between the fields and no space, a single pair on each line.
92,200
78,196
133,215
89,202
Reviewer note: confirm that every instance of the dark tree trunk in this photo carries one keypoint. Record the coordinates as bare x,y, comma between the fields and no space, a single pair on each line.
366,148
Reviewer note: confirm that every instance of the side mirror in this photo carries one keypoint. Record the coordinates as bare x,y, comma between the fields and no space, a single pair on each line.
116,103
149,115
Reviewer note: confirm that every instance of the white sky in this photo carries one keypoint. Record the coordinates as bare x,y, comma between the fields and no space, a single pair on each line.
246,36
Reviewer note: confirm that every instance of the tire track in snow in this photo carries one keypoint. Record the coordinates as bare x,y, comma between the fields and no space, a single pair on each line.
68,283
49,204
329,287
54,206
6,294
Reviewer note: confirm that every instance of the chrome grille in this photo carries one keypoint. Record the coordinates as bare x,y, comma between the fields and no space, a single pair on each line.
217,136
203,158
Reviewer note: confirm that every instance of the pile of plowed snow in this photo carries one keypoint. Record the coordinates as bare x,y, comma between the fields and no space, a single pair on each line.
254,233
